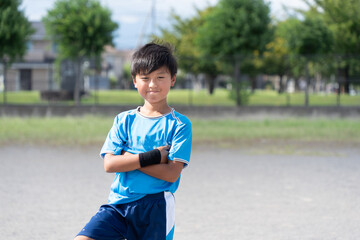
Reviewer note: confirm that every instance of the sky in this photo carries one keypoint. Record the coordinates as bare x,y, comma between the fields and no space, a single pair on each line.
137,21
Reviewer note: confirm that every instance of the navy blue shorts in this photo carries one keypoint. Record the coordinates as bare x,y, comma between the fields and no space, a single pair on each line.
151,217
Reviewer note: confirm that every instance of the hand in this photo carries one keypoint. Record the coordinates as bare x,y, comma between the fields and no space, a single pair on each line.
164,150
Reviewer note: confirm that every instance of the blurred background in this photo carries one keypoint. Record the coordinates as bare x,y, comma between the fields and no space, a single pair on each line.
230,53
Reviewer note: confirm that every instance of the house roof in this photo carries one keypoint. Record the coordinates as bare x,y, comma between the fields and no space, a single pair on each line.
125,54
40,33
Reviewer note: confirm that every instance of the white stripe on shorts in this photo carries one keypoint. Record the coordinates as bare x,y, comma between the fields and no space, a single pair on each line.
170,211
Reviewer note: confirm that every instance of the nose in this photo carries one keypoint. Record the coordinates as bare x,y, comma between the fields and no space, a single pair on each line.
152,83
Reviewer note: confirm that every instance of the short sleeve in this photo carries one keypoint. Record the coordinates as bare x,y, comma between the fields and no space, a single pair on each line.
116,138
181,143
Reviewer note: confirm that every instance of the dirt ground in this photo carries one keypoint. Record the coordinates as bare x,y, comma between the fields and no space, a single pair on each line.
273,193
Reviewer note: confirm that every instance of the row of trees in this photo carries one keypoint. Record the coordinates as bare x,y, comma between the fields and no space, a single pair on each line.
237,36
232,37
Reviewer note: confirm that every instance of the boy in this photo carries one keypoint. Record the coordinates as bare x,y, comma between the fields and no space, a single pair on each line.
147,148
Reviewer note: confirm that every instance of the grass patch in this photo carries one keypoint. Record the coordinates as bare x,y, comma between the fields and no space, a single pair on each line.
284,129
22,97
196,98
200,98
90,130
54,131
122,97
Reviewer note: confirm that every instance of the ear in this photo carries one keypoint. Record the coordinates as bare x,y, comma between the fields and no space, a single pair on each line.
173,80
134,81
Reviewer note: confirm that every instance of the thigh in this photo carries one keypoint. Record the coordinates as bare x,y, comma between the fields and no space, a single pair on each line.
82,238
106,224
152,218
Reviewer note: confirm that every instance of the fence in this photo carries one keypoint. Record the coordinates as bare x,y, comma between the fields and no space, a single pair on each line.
279,81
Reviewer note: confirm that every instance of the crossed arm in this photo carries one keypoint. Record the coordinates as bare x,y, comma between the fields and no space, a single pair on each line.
167,170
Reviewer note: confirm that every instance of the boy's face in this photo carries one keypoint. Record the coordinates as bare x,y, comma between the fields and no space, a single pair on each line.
154,87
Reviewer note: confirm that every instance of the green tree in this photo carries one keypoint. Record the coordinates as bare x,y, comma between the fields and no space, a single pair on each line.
343,17
308,41
126,78
182,35
15,31
316,40
81,29
290,31
252,65
276,61
235,29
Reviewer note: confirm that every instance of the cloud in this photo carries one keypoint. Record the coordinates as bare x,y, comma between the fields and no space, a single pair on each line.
36,10
128,19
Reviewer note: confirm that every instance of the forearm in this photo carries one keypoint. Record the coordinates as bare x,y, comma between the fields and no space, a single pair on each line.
169,172
127,162
121,163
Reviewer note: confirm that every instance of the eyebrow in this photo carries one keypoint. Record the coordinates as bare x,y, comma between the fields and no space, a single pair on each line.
162,72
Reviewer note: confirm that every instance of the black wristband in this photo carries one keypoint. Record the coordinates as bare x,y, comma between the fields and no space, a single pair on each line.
150,158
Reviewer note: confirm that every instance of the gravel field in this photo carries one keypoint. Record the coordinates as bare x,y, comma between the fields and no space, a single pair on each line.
311,193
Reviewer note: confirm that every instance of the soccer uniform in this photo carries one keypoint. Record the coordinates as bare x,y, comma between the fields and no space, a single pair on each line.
135,133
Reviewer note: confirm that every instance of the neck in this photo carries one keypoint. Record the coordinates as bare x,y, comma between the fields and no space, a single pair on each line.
153,110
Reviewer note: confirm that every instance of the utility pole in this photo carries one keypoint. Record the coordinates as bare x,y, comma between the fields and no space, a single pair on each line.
153,17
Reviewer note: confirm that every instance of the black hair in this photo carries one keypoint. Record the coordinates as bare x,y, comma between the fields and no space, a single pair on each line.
151,57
